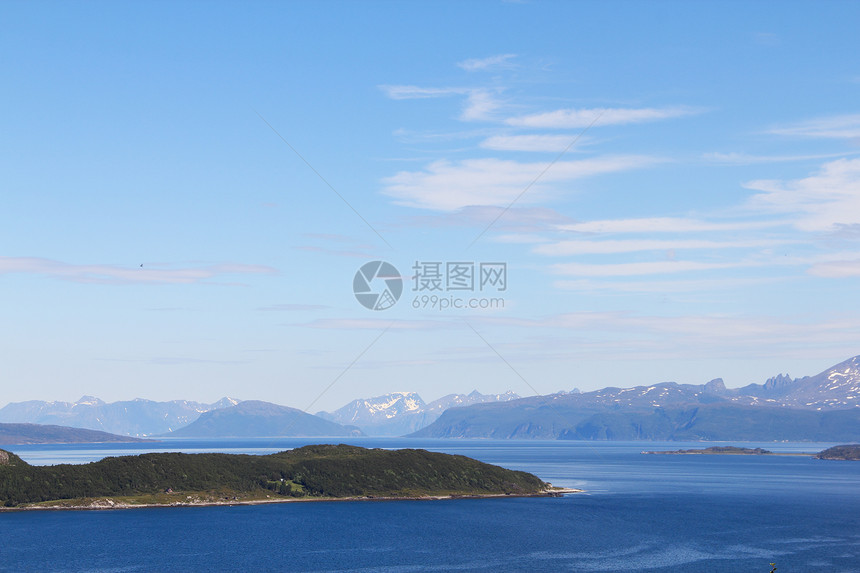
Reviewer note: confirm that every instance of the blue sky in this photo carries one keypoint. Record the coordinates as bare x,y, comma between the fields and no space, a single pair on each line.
704,220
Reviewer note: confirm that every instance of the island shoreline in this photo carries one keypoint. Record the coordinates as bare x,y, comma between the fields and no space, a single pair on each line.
108,503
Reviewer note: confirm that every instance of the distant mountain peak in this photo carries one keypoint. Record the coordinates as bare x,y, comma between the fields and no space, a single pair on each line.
398,413
778,382
716,386
225,402
257,418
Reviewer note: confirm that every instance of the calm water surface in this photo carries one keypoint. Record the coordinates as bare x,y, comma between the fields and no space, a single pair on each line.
640,513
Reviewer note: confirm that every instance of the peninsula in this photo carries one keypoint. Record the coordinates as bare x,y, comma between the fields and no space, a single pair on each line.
19,434
322,472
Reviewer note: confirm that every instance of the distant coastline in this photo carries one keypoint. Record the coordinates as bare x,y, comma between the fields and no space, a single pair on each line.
849,452
718,451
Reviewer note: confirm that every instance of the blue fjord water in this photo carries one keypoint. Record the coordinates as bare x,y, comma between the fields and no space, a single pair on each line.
640,513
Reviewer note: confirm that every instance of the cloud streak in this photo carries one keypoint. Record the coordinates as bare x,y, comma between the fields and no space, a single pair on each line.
493,62
546,143
640,269
823,202
116,274
448,186
664,225
833,127
579,118
480,103
562,248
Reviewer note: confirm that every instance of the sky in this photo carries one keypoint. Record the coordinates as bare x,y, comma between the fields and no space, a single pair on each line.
627,192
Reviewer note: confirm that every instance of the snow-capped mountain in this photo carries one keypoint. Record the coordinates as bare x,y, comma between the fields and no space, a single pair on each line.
378,410
836,388
400,413
137,417
824,407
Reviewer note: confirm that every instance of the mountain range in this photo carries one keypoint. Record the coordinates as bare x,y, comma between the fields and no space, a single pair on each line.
129,418
824,407
400,413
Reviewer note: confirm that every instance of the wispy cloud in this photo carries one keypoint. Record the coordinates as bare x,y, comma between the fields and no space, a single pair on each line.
639,269
515,219
493,62
838,126
447,186
663,286
825,201
562,248
151,273
823,264
663,225
547,143
341,246
579,118
480,104
416,92
649,336
836,269
746,159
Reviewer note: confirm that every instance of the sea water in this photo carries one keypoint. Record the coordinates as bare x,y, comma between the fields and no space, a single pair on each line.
639,513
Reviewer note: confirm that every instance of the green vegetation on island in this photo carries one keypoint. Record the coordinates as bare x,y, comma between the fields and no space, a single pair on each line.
311,472
845,452
718,450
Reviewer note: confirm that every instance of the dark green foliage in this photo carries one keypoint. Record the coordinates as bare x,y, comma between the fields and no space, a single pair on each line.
322,471
845,452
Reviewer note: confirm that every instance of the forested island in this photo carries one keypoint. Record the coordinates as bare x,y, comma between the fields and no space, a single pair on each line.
308,473
718,450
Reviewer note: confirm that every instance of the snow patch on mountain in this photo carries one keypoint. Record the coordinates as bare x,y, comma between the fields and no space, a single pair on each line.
399,413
